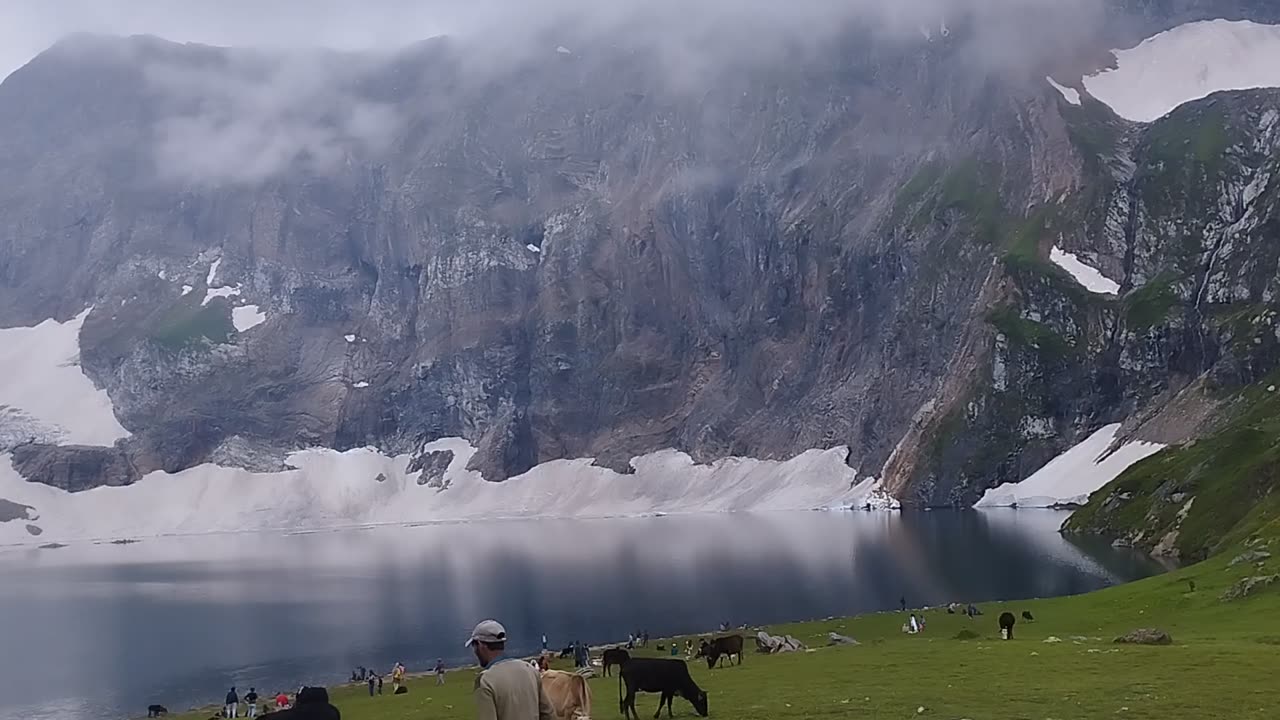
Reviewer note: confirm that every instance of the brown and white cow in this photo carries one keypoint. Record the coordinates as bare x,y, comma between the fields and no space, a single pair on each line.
568,693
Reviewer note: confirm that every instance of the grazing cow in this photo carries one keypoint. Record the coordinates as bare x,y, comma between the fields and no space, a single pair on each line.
658,675
566,652
568,693
1006,624
1026,615
614,656
720,648
157,711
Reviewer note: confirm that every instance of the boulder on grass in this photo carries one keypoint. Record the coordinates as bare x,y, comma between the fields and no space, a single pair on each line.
838,639
1146,636
1248,586
771,644
1250,556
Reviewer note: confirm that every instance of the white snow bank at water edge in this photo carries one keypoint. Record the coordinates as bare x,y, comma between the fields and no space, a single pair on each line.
1089,277
359,487
1071,94
44,395
1074,475
1186,63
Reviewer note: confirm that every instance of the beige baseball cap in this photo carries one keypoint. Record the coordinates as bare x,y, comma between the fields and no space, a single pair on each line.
488,631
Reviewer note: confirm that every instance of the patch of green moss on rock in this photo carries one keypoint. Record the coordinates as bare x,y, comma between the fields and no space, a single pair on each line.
1150,304
191,324
1029,333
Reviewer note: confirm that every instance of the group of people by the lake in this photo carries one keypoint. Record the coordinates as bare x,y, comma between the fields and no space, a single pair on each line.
914,625
581,654
233,701
375,680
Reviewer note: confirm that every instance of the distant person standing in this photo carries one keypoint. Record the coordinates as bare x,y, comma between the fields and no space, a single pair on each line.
439,671
251,702
232,708
505,689
379,684
372,682
544,642
903,602
397,677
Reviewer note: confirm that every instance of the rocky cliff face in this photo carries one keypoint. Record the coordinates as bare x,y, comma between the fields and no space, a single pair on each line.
582,258
1183,211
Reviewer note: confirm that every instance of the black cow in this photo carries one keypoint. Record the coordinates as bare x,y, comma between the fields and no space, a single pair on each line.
157,711
1006,624
1026,615
658,675
566,652
720,648
614,656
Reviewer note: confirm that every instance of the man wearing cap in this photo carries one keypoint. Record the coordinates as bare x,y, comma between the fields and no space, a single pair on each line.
506,689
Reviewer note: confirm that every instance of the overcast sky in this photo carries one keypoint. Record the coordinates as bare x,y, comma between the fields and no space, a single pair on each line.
27,27
245,122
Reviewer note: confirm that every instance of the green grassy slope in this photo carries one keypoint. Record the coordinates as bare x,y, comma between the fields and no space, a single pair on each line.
1211,492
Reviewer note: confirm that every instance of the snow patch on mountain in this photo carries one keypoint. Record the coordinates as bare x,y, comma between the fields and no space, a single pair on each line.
44,394
213,272
211,292
1074,475
1091,278
1071,94
360,487
219,292
1186,63
245,317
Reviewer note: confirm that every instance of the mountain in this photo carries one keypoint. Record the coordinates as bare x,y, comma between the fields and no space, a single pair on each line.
912,250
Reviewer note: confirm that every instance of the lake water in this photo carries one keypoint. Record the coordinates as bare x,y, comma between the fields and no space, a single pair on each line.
101,631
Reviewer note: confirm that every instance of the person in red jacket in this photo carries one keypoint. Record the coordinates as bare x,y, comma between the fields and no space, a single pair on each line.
312,704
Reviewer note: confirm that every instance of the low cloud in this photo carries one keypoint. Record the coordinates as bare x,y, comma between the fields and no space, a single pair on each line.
294,103
247,120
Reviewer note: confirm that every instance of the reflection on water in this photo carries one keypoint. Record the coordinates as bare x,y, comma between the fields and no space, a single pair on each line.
177,620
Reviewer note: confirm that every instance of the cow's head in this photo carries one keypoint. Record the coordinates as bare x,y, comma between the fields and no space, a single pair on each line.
712,656
704,648
699,700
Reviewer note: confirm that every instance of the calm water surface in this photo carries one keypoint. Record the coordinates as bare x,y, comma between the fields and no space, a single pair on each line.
101,631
